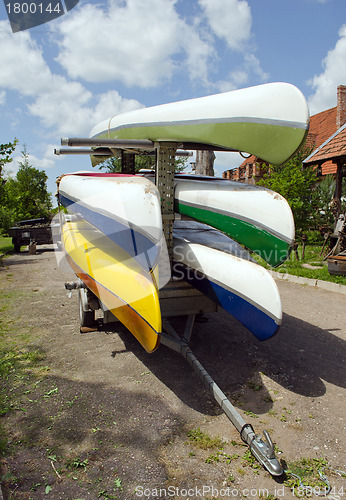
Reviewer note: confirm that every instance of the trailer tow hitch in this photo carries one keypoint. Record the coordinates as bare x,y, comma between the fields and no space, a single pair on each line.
263,451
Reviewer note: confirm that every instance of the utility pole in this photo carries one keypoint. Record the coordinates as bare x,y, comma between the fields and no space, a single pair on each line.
205,162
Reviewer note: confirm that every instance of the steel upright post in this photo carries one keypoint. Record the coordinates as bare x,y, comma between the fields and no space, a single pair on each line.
164,177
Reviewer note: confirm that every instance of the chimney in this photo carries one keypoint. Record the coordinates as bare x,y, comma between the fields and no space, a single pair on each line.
341,107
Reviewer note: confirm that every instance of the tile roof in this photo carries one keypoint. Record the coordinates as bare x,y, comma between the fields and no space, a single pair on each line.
333,147
322,126
322,129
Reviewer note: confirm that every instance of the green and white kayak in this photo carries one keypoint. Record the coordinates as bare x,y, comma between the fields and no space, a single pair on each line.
269,121
254,216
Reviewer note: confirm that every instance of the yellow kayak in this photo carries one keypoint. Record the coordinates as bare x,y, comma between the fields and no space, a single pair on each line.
116,278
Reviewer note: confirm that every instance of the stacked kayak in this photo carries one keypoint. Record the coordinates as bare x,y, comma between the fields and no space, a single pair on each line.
269,121
256,217
113,235
225,272
114,247
117,257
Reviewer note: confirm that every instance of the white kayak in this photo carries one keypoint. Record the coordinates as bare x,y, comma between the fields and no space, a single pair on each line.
241,287
269,121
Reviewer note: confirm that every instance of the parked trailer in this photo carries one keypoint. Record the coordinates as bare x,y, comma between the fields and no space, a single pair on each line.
31,231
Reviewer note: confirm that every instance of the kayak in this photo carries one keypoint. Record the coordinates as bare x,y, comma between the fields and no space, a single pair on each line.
125,208
254,216
269,121
114,246
226,274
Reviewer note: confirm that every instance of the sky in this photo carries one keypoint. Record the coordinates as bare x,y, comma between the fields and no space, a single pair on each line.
102,58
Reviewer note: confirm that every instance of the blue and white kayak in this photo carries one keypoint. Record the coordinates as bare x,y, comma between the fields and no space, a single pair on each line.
225,272
125,208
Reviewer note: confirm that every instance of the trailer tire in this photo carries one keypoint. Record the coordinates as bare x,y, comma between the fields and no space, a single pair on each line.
86,315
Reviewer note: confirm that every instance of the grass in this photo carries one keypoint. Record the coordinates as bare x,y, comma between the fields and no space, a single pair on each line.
204,441
5,244
18,362
312,258
306,476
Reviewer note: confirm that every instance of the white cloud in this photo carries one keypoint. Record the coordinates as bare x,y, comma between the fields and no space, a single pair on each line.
252,64
45,159
240,77
43,163
135,42
197,56
70,109
334,74
111,103
63,106
22,65
2,97
235,80
230,20
227,161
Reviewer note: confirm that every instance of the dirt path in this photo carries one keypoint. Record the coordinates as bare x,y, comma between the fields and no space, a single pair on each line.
96,417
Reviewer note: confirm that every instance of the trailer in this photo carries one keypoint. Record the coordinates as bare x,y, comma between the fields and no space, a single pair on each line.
30,232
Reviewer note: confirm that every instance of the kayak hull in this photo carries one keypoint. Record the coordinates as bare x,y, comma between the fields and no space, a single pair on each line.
232,280
120,285
254,216
269,121
109,249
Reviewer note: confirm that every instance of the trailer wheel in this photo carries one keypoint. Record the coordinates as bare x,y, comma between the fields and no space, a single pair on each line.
86,315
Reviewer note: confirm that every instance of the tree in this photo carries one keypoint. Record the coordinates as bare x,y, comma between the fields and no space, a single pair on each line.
297,185
27,193
324,196
6,151
7,215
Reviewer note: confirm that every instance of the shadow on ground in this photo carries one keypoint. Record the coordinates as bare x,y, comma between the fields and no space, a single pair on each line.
299,358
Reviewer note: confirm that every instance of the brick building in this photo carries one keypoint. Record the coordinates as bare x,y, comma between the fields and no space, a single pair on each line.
322,127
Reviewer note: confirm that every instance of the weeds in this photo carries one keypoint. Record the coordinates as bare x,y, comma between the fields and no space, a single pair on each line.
50,393
222,457
306,474
251,414
203,441
76,463
249,460
254,386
